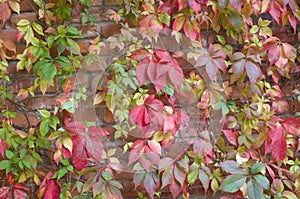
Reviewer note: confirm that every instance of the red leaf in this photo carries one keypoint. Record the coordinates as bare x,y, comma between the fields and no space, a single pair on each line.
170,124
238,68
292,125
52,190
79,154
3,147
179,175
178,23
189,30
175,188
167,177
4,192
275,10
140,115
194,5
276,143
85,144
253,71
154,146
231,136
237,4
20,191
141,71
150,184
5,13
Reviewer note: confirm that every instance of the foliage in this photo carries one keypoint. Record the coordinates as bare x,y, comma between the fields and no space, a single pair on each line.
253,155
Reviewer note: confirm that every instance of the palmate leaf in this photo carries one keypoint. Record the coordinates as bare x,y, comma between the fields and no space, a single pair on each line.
233,183
85,144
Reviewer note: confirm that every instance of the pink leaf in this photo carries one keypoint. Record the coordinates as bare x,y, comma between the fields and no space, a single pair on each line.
292,125
154,146
276,143
231,136
194,5
5,13
52,190
253,71
3,147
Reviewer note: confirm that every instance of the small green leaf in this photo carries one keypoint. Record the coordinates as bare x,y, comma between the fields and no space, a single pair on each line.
258,167
4,164
233,183
44,113
9,154
48,72
255,191
192,177
38,28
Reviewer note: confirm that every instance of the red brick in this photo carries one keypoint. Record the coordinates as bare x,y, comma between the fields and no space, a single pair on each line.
30,16
89,115
84,47
285,35
7,105
21,120
10,35
89,31
112,2
37,103
11,70
79,80
294,106
108,117
109,30
97,2
99,13
20,83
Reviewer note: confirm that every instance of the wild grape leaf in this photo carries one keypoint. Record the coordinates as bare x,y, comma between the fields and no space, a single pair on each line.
85,144
204,179
52,190
178,23
292,125
179,175
140,115
232,136
175,188
255,191
213,61
276,142
20,191
167,176
190,31
5,13
240,63
233,183
194,5
150,184
232,167
3,147
156,68
253,71
237,4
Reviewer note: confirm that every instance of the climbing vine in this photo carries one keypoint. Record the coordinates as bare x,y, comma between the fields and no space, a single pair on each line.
206,112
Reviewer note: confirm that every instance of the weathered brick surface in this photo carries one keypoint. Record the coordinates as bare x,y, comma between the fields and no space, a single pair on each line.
21,121
109,30
30,16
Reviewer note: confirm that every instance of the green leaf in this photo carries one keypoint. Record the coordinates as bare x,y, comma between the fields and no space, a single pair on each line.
44,113
69,106
258,167
4,164
38,28
48,72
233,183
165,18
74,47
192,177
289,195
255,191
73,31
262,180
9,154
44,128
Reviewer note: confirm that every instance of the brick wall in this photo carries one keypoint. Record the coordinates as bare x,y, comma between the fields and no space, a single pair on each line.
104,29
